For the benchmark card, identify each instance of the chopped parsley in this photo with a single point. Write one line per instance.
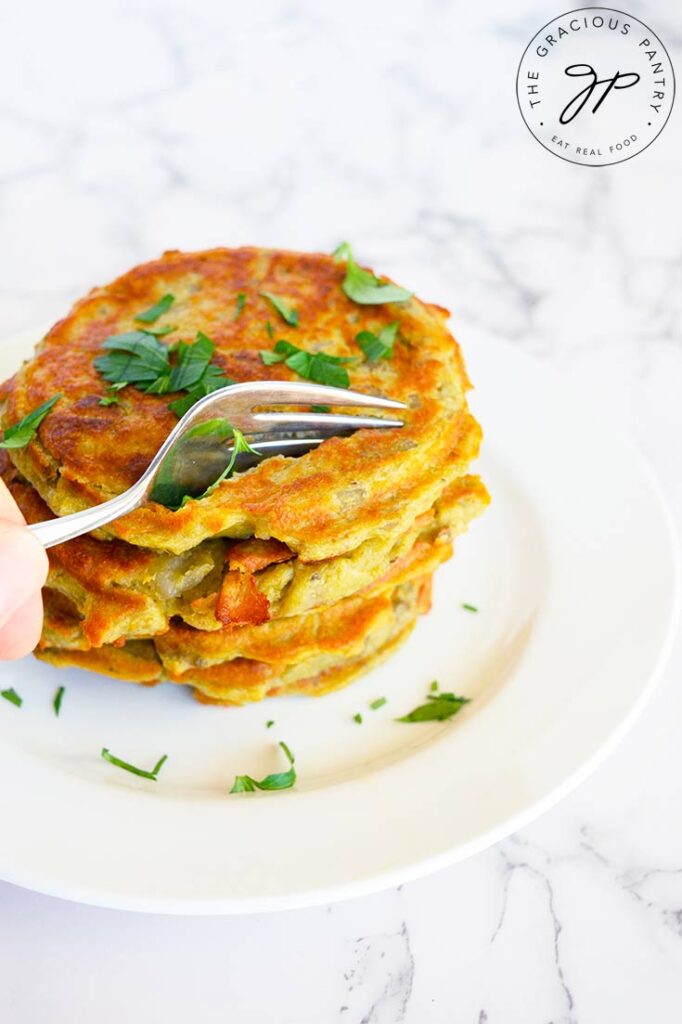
(12, 696)
(160, 332)
(135, 357)
(112, 397)
(240, 444)
(315, 366)
(269, 724)
(378, 703)
(470, 607)
(280, 780)
(23, 432)
(320, 408)
(138, 358)
(378, 346)
(57, 702)
(211, 380)
(357, 718)
(151, 315)
(438, 708)
(241, 302)
(269, 330)
(108, 756)
(434, 686)
(362, 286)
(287, 313)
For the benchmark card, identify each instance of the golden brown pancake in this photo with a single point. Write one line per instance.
(291, 577)
(366, 632)
(120, 590)
(321, 504)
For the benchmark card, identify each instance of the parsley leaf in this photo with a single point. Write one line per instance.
(378, 346)
(212, 379)
(151, 315)
(269, 724)
(315, 366)
(111, 397)
(192, 363)
(12, 696)
(160, 332)
(378, 703)
(57, 702)
(357, 717)
(440, 706)
(470, 607)
(23, 432)
(280, 780)
(362, 286)
(241, 302)
(135, 357)
(240, 444)
(288, 313)
(172, 486)
(108, 756)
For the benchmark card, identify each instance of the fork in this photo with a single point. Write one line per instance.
(200, 457)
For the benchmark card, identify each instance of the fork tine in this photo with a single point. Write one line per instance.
(292, 421)
(289, 392)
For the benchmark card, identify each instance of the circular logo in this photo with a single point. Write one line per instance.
(595, 86)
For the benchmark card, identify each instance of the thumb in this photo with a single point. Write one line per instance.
(23, 568)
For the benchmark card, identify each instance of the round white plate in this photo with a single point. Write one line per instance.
(574, 572)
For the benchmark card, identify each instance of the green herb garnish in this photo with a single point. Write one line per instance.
(240, 444)
(362, 286)
(135, 357)
(12, 696)
(131, 767)
(378, 346)
(434, 686)
(288, 314)
(320, 408)
(378, 703)
(112, 397)
(138, 358)
(280, 780)
(241, 302)
(151, 315)
(315, 366)
(160, 332)
(269, 330)
(211, 380)
(57, 702)
(357, 718)
(23, 432)
(270, 723)
(440, 706)
(470, 607)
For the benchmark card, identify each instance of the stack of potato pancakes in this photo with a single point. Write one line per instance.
(294, 575)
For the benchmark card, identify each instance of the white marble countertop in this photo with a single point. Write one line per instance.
(127, 128)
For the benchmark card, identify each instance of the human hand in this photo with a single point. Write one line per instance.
(23, 571)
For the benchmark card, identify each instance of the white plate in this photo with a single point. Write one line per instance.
(574, 569)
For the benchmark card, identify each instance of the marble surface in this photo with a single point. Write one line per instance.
(127, 128)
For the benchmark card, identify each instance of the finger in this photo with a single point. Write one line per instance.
(9, 510)
(23, 568)
(21, 632)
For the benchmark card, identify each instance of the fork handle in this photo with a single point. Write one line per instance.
(56, 531)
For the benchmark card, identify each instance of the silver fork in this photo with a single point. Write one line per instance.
(195, 464)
